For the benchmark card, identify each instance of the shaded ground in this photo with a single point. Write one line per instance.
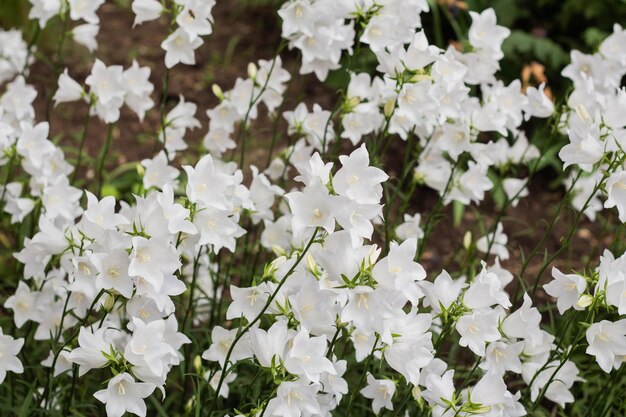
(242, 34)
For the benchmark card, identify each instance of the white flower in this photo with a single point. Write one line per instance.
(247, 302)
(494, 243)
(524, 323)
(443, 292)
(567, 288)
(106, 82)
(9, 348)
(158, 171)
(607, 342)
(215, 381)
(138, 88)
(358, 180)
(478, 328)
(195, 18)
(380, 391)
(398, 271)
(24, 304)
(295, 399)
(123, 395)
(89, 353)
(86, 35)
(43, 10)
(501, 357)
(410, 228)
(69, 90)
(485, 291)
(221, 341)
(270, 345)
(307, 357)
(486, 34)
(146, 10)
(85, 9)
(584, 149)
(539, 105)
(113, 271)
(616, 190)
(152, 259)
(439, 388)
(313, 207)
(180, 47)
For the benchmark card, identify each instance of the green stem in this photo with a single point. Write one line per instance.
(243, 331)
(101, 159)
(83, 139)
(363, 375)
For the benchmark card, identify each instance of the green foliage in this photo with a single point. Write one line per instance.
(525, 47)
(13, 13)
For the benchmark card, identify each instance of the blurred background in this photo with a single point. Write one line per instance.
(542, 30)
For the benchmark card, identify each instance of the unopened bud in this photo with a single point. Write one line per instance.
(141, 170)
(390, 106)
(217, 90)
(189, 404)
(197, 363)
(467, 240)
(418, 177)
(252, 70)
(353, 102)
(416, 392)
(420, 77)
(584, 301)
(310, 264)
(109, 302)
(372, 255)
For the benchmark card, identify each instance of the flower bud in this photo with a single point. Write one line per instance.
(252, 70)
(420, 77)
(584, 301)
(372, 255)
(141, 170)
(353, 102)
(390, 106)
(189, 404)
(109, 302)
(310, 264)
(217, 90)
(467, 240)
(418, 177)
(197, 363)
(416, 392)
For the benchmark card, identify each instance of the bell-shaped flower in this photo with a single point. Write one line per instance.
(566, 288)
(380, 391)
(307, 357)
(607, 342)
(524, 323)
(89, 355)
(616, 190)
(9, 348)
(485, 291)
(313, 207)
(123, 395)
(478, 328)
(295, 399)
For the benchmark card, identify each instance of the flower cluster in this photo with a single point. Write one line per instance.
(297, 286)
